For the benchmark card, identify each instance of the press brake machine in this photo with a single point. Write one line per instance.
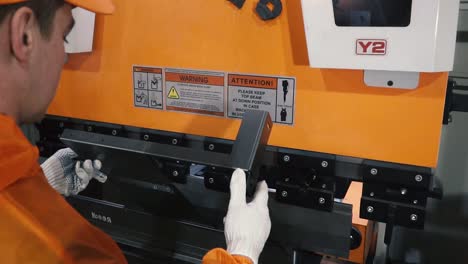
(313, 97)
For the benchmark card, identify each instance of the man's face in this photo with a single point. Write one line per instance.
(47, 60)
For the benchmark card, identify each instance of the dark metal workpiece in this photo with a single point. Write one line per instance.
(249, 148)
(247, 151)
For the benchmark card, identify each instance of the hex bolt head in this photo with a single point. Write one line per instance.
(211, 180)
(286, 158)
(321, 200)
(371, 194)
(403, 191)
(174, 141)
(284, 194)
(374, 171)
(415, 201)
(146, 137)
(324, 164)
(175, 173)
(90, 128)
(414, 218)
(114, 132)
(324, 186)
(370, 209)
(211, 147)
(418, 178)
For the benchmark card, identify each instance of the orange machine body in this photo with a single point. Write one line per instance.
(335, 111)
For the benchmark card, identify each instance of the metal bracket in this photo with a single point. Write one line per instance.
(217, 178)
(306, 181)
(396, 194)
(456, 100)
(177, 170)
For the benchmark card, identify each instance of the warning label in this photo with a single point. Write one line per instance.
(148, 87)
(195, 91)
(273, 94)
(214, 93)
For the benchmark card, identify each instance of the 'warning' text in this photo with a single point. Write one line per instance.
(193, 79)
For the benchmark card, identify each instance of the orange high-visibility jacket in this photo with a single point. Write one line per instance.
(38, 226)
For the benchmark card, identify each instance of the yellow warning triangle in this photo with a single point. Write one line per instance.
(173, 94)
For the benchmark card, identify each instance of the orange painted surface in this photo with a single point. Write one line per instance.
(335, 112)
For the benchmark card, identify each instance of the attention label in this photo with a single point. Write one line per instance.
(148, 87)
(195, 91)
(275, 95)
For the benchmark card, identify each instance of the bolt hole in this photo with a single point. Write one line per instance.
(270, 6)
(390, 83)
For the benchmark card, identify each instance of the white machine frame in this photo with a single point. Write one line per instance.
(426, 45)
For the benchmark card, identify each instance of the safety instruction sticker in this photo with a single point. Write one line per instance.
(148, 87)
(193, 91)
(214, 93)
(268, 93)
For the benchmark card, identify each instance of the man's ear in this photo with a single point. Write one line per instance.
(22, 28)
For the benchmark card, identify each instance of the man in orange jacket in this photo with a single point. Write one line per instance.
(36, 224)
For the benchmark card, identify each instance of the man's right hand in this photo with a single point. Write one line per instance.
(247, 226)
(68, 176)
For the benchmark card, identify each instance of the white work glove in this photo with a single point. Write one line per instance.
(67, 176)
(247, 226)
